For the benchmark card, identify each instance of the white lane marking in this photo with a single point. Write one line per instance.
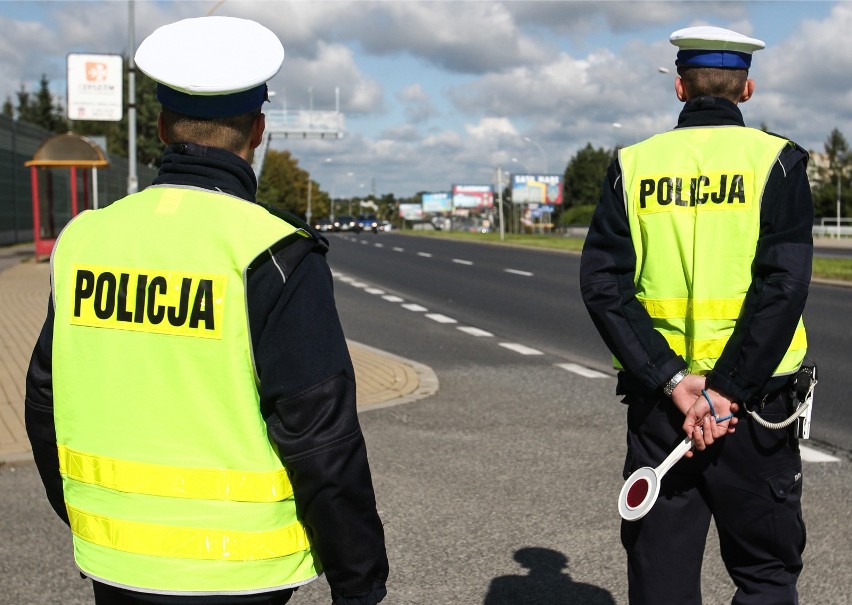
(581, 370)
(365, 242)
(415, 307)
(424, 254)
(398, 249)
(441, 319)
(393, 299)
(374, 291)
(378, 245)
(519, 272)
(811, 455)
(345, 279)
(519, 348)
(462, 262)
(474, 331)
(358, 284)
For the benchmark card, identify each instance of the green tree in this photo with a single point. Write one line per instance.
(834, 178)
(284, 185)
(584, 175)
(40, 109)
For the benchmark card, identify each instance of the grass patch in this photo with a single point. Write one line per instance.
(833, 268)
(517, 239)
(824, 268)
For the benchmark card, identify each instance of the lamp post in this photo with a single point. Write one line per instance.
(308, 212)
(839, 173)
(543, 155)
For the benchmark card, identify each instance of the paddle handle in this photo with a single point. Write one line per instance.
(677, 454)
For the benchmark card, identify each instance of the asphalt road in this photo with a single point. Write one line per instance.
(501, 488)
(534, 296)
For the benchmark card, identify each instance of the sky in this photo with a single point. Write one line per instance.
(444, 92)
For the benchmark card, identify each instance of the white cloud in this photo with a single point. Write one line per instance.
(436, 92)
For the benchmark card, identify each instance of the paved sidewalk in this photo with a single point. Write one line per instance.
(382, 379)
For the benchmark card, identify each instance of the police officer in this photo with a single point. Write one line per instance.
(191, 400)
(695, 272)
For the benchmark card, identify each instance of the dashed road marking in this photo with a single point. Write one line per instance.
(475, 331)
(374, 291)
(415, 307)
(378, 245)
(398, 249)
(519, 348)
(357, 284)
(393, 299)
(460, 261)
(441, 319)
(581, 370)
(519, 272)
(811, 455)
(424, 254)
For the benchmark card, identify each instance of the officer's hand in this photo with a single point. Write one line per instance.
(702, 426)
(687, 391)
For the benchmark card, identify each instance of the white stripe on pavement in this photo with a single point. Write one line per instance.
(811, 455)
(581, 370)
(374, 291)
(415, 307)
(392, 298)
(398, 249)
(426, 254)
(519, 348)
(518, 272)
(441, 319)
(462, 262)
(474, 331)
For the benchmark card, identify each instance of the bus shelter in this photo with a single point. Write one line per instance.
(64, 177)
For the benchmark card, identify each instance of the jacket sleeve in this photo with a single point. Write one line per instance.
(781, 277)
(607, 269)
(307, 392)
(38, 416)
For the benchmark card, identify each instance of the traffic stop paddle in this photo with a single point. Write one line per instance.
(641, 489)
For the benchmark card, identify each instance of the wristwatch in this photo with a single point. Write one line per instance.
(669, 387)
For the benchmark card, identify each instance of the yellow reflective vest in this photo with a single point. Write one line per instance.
(171, 482)
(692, 198)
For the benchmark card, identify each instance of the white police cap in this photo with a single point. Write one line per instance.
(709, 46)
(211, 67)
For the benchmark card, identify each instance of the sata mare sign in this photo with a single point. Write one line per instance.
(94, 87)
(537, 189)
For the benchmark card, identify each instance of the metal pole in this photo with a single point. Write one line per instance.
(541, 149)
(838, 199)
(132, 178)
(500, 198)
(308, 212)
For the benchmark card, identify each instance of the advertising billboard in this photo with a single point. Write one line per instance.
(537, 189)
(411, 212)
(437, 202)
(94, 87)
(473, 196)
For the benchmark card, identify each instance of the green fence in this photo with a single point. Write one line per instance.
(18, 142)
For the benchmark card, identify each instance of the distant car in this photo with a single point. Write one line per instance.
(385, 226)
(323, 225)
(368, 222)
(344, 222)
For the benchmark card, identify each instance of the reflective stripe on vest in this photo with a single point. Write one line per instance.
(171, 481)
(175, 482)
(692, 198)
(187, 542)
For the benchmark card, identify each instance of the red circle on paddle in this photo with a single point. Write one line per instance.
(637, 492)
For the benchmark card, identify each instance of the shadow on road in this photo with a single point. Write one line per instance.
(546, 583)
